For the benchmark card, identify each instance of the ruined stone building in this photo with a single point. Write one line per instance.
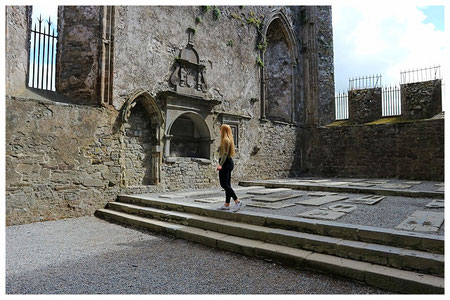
(142, 91)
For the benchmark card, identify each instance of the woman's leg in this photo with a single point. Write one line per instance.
(223, 178)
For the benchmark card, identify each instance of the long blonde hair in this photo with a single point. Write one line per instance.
(226, 140)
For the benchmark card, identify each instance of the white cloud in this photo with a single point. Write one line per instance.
(375, 39)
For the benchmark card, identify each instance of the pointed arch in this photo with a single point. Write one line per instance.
(278, 75)
(141, 123)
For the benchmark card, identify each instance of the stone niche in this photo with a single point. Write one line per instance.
(187, 108)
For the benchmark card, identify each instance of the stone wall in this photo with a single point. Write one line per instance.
(68, 159)
(409, 150)
(60, 160)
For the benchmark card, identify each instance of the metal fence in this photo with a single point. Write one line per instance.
(391, 103)
(341, 106)
(42, 62)
(365, 82)
(421, 74)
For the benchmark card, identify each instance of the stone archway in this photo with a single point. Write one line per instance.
(189, 137)
(140, 139)
(279, 70)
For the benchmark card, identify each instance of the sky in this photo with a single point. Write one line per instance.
(372, 37)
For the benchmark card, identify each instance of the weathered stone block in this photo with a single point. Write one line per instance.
(421, 100)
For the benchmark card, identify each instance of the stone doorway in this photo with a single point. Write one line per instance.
(140, 141)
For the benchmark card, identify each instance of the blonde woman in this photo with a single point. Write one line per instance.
(225, 166)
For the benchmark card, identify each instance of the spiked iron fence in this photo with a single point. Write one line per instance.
(391, 103)
(365, 82)
(421, 74)
(42, 62)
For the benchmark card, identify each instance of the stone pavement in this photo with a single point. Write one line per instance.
(416, 206)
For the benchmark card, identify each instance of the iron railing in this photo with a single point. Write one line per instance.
(341, 106)
(42, 62)
(365, 82)
(421, 74)
(391, 103)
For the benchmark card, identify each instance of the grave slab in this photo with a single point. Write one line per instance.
(321, 200)
(376, 181)
(369, 200)
(436, 204)
(321, 194)
(361, 184)
(277, 198)
(269, 205)
(423, 221)
(396, 186)
(268, 191)
(322, 214)
(413, 182)
(441, 189)
(335, 183)
(345, 208)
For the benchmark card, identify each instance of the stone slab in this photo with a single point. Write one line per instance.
(269, 191)
(396, 186)
(335, 183)
(369, 200)
(346, 208)
(185, 194)
(247, 188)
(436, 204)
(322, 200)
(441, 189)
(277, 198)
(269, 205)
(361, 184)
(210, 200)
(322, 214)
(439, 184)
(376, 181)
(321, 194)
(412, 182)
(355, 180)
(423, 221)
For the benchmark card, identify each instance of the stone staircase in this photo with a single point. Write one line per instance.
(397, 261)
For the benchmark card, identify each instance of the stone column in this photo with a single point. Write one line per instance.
(421, 100)
(364, 105)
(79, 53)
(310, 60)
(18, 22)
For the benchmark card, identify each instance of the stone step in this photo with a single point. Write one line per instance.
(383, 236)
(345, 189)
(399, 281)
(379, 254)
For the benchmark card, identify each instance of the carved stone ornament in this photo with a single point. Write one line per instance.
(189, 75)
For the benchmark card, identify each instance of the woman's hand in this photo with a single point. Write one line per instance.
(219, 167)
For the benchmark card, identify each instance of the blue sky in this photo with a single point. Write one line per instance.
(370, 38)
(435, 16)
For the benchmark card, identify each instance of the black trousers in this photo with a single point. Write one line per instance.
(225, 179)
